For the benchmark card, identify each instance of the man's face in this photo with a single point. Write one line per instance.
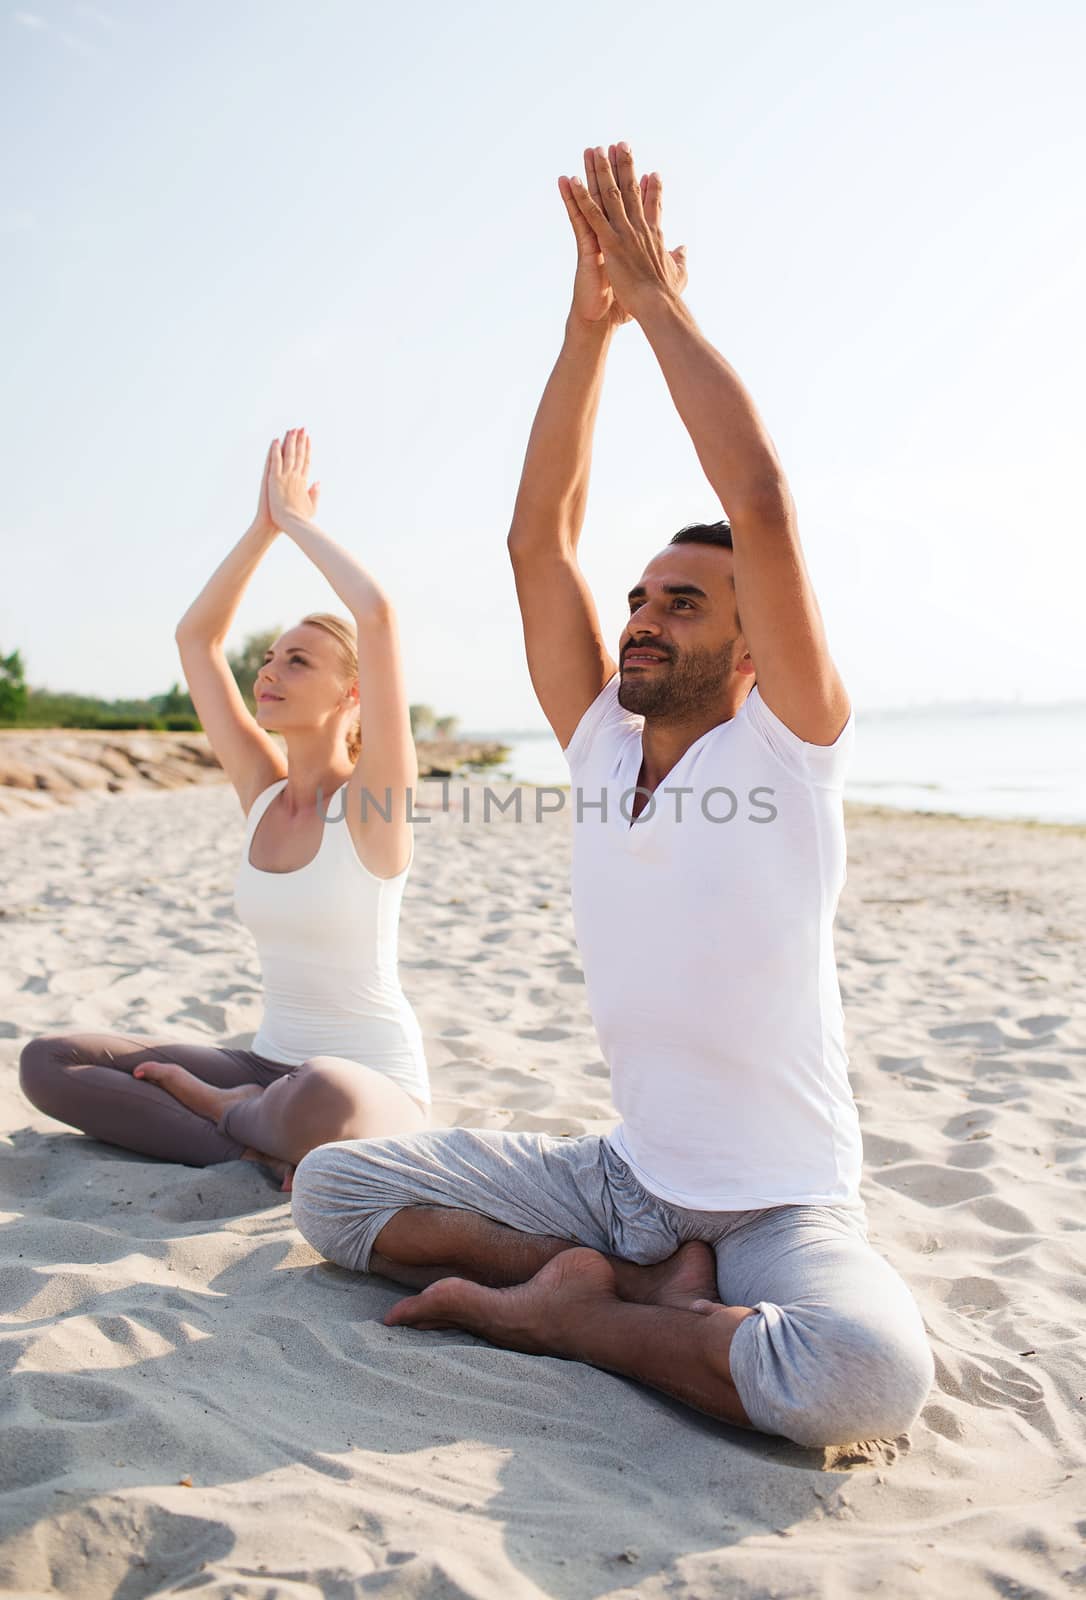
(683, 640)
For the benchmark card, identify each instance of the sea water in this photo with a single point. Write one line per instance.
(981, 761)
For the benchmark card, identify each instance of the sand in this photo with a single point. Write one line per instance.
(197, 1404)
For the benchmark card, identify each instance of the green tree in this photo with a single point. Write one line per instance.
(445, 727)
(422, 720)
(12, 687)
(175, 703)
(246, 662)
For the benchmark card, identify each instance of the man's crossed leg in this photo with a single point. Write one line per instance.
(784, 1319)
(548, 1296)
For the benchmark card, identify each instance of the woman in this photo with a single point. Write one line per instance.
(339, 1053)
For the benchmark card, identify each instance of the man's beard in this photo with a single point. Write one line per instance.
(682, 686)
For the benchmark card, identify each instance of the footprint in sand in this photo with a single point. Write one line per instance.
(1007, 1218)
(967, 1124)
(1043, 1023)
(975, 1294)
(988, 1381)
(66, 1398)
(881, 1151)
(30, 1455)
(1047, 1069)
(196, 1010)
(900, 1064)
(934, 1186)
(985, 1035)
(944, 1422)
(460, 1049)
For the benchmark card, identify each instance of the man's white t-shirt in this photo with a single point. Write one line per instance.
(705, 927)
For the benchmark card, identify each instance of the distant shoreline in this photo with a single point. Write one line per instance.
(41, 768)
(16, 803)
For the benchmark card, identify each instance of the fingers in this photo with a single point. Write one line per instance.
(591, 178)
(592, 213)
(586, 239)
(610, 196)
(623, 164)
(653, 193)
(295, 451)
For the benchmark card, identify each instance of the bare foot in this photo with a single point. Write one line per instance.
(687, 1279)
(281, 1169)
(201, 1097)
(550, 1315)
(212, 1103)
(520, 1317)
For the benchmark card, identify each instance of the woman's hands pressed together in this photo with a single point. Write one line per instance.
(263, 522)
(286, 475)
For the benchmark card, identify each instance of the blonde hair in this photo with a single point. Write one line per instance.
(346, 637)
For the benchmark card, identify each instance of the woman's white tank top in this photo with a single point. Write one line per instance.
(326, 935)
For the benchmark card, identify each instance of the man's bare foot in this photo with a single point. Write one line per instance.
(687, 1279)
(201, 1097)
(572, 1309)
(524, 1317)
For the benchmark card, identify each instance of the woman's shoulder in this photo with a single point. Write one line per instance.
(258, 797)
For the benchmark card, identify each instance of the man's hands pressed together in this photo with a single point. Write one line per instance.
(621, 255)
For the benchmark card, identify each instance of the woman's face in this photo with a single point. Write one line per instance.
(301, 683)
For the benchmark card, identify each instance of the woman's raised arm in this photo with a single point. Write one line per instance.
(387, 765)
(249, 756)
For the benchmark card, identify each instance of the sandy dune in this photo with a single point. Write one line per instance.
(163, 1323)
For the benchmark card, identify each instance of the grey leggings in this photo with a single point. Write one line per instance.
(85, 1080)
(836, 1351)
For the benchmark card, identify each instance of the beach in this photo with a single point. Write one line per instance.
(196, 1402)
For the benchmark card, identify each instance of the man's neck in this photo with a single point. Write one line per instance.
(665, 740)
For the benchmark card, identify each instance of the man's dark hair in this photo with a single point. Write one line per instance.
(705, 533)
(718, 533)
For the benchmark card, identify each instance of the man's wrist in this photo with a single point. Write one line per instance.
(658, 306)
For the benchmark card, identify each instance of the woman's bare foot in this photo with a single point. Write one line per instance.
(201, 1097)
(212, 1103)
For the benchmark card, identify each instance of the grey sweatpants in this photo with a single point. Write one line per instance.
(836, 1351)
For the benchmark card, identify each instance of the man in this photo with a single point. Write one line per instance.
(713, 1245)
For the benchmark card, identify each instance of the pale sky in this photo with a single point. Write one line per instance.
(220, 220)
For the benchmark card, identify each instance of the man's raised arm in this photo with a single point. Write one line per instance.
(778, 611)
(567, 658)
